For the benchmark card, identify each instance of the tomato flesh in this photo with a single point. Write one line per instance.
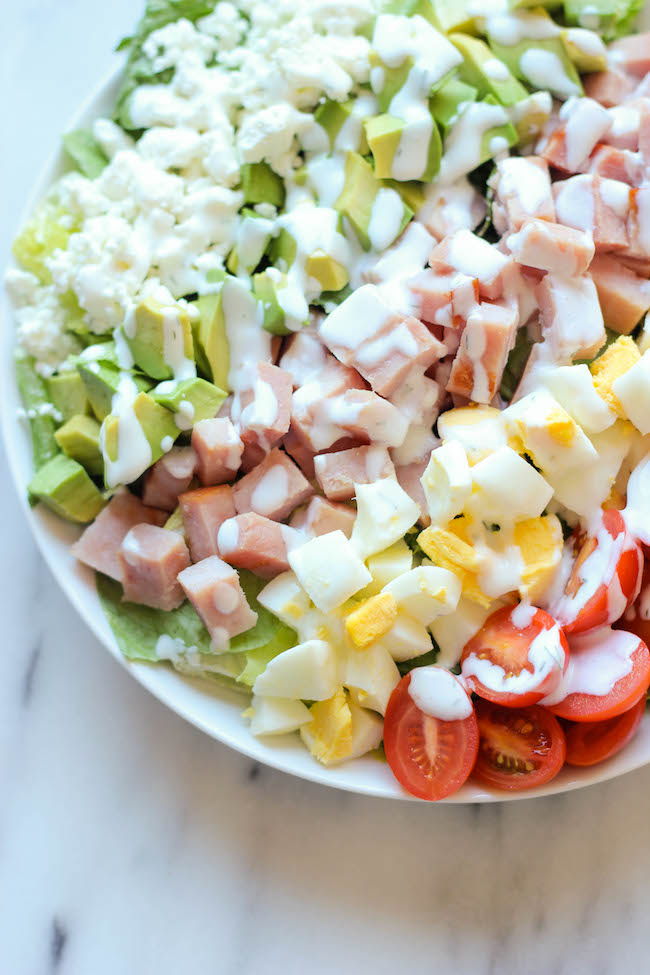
(637, 617)
(592, 742)
(431, 758)
(519, 748)
(496, 662)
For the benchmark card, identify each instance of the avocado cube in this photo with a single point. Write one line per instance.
(541, 61)
(358, 198)
(330, 274)
(479, 134)
(385, 81)
(190, 400)
(446, 15)
(586, 49)
(68, 394)
(486, 73)
(531, 115)
(285, 307)
(158, 426)
(394, 143)
(160, 340)
(79, 438)
(213, 351)
(446, 101)
(283, 250)
(64, 486)
(101, 381)
(260, 184)
(411, 191)
(253, 237)
(600, 15)
(332, 116)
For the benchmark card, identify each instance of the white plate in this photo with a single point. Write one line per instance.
(217, 711)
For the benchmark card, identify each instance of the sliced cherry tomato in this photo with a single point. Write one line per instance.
(519, 748)
(594, 741)
(511, 662)
(637, 616)
(599, 682)
(429, 757)
(602, 579)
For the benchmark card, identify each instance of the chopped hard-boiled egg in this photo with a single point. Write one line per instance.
(447, 482)
(340, 730)
(451, 548)
(286, 599)
(407, 638)
(369, 621)
(478, 428)
(506, 489)
(632, 391)
(540, 542)
(538, 426)
(329, 569)
(452, 632)
(613, 363)
(277, 715)
(426, 592)
(385, 512)
(387, 565)
(586, 489)
(307, 672)
(573, 388)
(371, 676)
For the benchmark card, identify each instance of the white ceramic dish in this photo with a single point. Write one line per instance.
(214, 710)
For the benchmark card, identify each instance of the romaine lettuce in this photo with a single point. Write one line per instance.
(33, 393)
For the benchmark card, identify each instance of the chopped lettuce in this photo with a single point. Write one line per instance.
(39, 410)
(40, 236)
(268, 629)
(85, 152)
(516, 364)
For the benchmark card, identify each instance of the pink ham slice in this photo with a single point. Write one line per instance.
(321, 517)
(465, 252)
(444, 297)
(552, 247)
(631, 54)
(408, 477)
(522, 190)
(254, 542)
(169, 477)
(265, 412)
(304, 357)
(624, 296)
(609, 87)
(273, 488)
(572, 322)
(644, 135)
(338, 472)
(100, 542)
(598, 206)
(639, 223)
(584, 123)
(487, 339)
(213, 588)
(203, 512)
(218, 450)
(617, 164)
(151, 558)
(386, 361)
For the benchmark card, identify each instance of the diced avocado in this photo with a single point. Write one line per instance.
(160, 338)
(541, 61)
(34, 396)
(388, 136)
(531, 115)
(485, 72)
(385, 81)
(253, 237)
(522, 4)
(283, 250)
(157, 423)
(482, 131)
(411, 191)
(85, 152)
(260, 184)
(358, 198)
(101, 380)
(79, 438)
(332, 116)
(283, 313)
(585, 48)
(446, 101)
(330, 274)
(611, 18)
(445, 15)
(213, 352)
(65, 487)
(68, 394)
(190, 400)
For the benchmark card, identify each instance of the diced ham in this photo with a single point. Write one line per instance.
(151, 558)
(203, 512)
(100, 542)
(273, 488)
(522, 189)
(254, 542)
(444, 297)
(218, 450)
(264, 412)
(213, 588)
(363, 415)
(572, 322)
(631, 54)
(408, 478)
(387, 361)
(624, 296)
(487, 339)
(584, 123)
(598, 206)
(321, 517)
(624, 133)
(337, 473)
(617, 164)
(639, 223)
(299, 452)
(169, 477)
(552, 247)
(458, 206)
(644, 134)
(304, 356)
(609, 87)
(465, 252)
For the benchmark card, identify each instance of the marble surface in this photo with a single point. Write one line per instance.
(131, 844)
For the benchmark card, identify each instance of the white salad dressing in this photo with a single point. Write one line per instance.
(228, 536)
(134, 453)
(545, 654)
(385, 218)
(597, 662)
(439, 694)
(271, 491)
(544, 69)
(464, 144)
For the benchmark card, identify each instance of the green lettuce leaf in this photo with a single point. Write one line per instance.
(85, 152)
(515, 365)
(33, 393)
(39, 237)
(268, 628)
(624, 21)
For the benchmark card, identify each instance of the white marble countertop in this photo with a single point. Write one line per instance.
(131, 844)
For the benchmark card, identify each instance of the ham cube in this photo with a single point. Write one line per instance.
(618, 164)
(639, 223)
(487, 339)
(631, 54)
(386, 361)
(444, 297)
(264, 412)
(363, 415)
(475, 257)
(254, 542)
(609, 87)
(596, 205)
(552, 247)
(321, 517)
(624, 296)
(273, 488)
(218, 450)
(304, 356)
(151, 558)
(409, 478)
(572, 322)
(99, 545)
(522, 190)
(584, 123)
(299, 451)
(337, 473)
(457, 206)
(169, 477)
(203, 512)
(213, 588)
(626, 121)
(644, 134)
(307, 403)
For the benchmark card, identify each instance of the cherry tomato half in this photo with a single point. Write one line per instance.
(608, 673)
(637, 616)
(594, 741)
(605, 576)
(519, 748)
(429, 757)
(498, 664)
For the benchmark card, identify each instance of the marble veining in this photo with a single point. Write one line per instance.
(130, 844)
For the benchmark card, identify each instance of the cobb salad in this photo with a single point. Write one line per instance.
(334, 338)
